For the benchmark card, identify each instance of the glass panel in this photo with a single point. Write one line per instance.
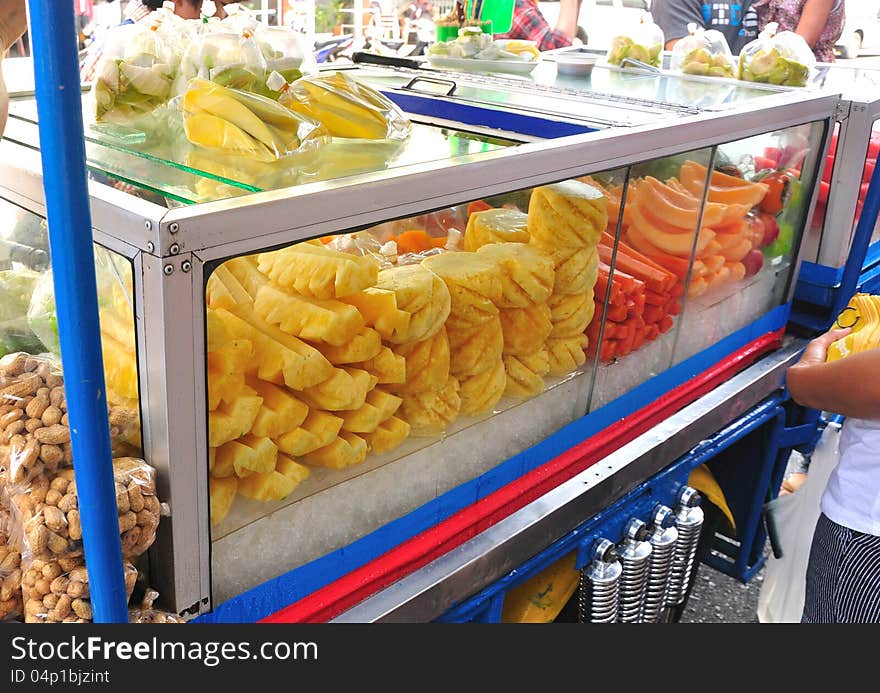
(29, 320)
(682, 90)
(164, 163)
(349, 354)
(651, 268)
(754, 242)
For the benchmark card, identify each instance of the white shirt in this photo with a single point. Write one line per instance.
(852, 496)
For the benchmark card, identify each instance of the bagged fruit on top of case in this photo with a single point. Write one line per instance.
(136, 72)
(642, 41)
(703, 52)
(784, 59)
(346, 107)
(238, 123)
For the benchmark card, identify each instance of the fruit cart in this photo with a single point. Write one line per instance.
(442, 431)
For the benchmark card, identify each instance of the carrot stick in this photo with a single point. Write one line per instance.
(666, 324)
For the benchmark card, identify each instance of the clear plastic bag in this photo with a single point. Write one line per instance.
(46, 511)
(346, 107)
(145, 613)
(57, 590)
(781, 599)
(42, 318)
(703, 52)
(231, 122)
(783, 59)
(10, 570)
(135, 74)
(16, 288)
(643, 42)
(284, 53)
(230, 59)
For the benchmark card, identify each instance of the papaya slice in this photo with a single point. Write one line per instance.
(713, 247)
(732, 214)
(647, 221)
(722, 187)
(677, 265)
(734, 249)
(671, 201)
(679, 244)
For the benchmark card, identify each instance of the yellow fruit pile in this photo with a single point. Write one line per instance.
(565, 221)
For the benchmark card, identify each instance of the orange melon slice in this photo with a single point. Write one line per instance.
(722, 187)
(734, 249)
(644, 219)
(737, 270)
(670, 200)
(679, 244)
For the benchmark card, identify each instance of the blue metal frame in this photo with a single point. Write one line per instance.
(76, 298)
(272, 595)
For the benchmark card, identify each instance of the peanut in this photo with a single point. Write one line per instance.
(127, 521)
(54, 518)
(53, 496)
(56, 397)
(53, 434)
(36, 407)
(51, 416)
(74, 526)
(135, 497)
(62, 608)
(68, 502)
(82, 608)
(57, 543)
(32, 425)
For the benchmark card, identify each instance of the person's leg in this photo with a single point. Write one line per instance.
(857, 599)
(825, 571)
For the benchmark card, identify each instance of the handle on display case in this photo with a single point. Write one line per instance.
(62, 152)
(434, 80)
(389, 60)
(639, 64)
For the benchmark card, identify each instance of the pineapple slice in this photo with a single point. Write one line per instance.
(522, 382)
(420, 293)
(474, 284)
(527, 274)
(233, 357)
(566, 354)
(431, 411)
(570, 313)
(361, 347)
(538, 362)
(499, 225)
(233, 420)
(427, 364)
(480, 392)
(277, 484)
(217, 333)
(390, 433)
(473, 350)
(319, 272)
(281, 411)
(212, 458)
(346, 451)
(525, 329)
(120, 328)
(222, 493)
(319, 429)
(577, 273)
(249, 453)
(387, 366)
(224, 387)
(379, 309)
(379, 407)
(347, 388)
(278, 357)
(324, 320)
(570, 214)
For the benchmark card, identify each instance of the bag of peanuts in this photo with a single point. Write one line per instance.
(10, 572)
(46, 511)
(145, 613)
(57, 590)
(34, 430)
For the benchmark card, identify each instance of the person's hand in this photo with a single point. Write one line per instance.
(817, 350)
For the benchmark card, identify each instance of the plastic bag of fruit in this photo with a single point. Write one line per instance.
(346, 108)
(145, 613)
(135, 73)
(233, 122)
(783, 58)
(10, 569)
(703, 52)
(642, 42)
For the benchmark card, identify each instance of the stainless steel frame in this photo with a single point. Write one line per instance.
(173, 252)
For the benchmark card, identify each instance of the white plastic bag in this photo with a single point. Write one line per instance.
(781, 599)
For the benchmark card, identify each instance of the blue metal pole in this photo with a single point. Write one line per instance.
(59, 107)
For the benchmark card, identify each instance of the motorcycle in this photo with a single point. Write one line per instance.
(332, 49)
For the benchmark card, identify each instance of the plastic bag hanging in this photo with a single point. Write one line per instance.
(643, 42)
(784, 59)
(703, 52)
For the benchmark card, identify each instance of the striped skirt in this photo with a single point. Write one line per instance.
(843, 576)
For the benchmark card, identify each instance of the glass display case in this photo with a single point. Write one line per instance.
(329, 365)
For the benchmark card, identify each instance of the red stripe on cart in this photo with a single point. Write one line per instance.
(341, 594)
